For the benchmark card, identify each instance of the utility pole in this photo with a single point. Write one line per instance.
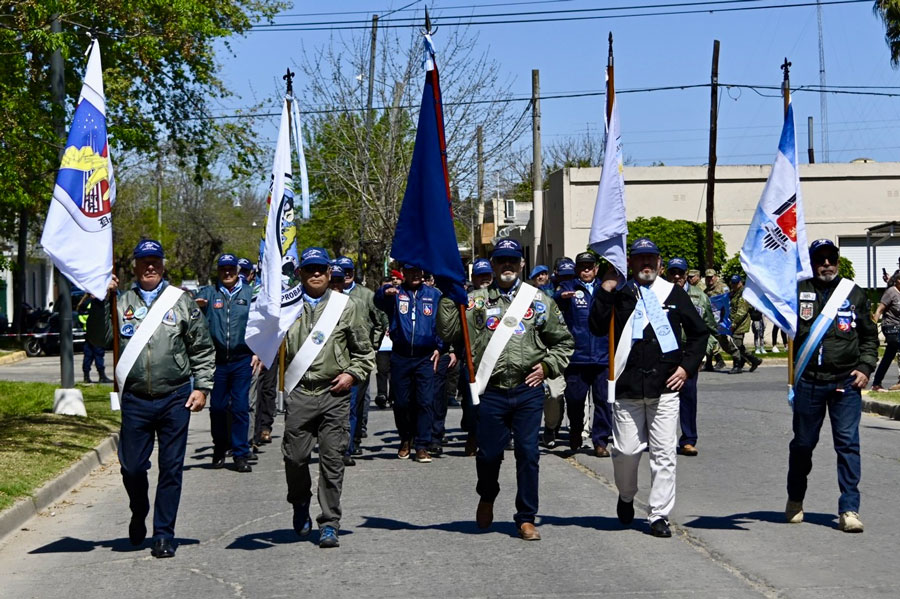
(711, 169)
(480, 185)
(823, 97)
(537, 179)
(809, 133)
(360, 268)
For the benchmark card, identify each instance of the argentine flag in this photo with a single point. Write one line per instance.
(774, 255)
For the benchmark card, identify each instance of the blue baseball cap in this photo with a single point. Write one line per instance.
(336, 271)
(818, 244)
(245, 264)
(735, 279)
(679, 263)
(538, 270)
(345, 263)
(148, 247)
(507, 248)
(227, 260)
(643, 246)
(314, 255)
(565, 267)
(482, 266)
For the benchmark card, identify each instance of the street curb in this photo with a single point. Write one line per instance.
(882, 408)
(20, 512)
(13, 357)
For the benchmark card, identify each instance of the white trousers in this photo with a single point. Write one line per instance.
(637, 424)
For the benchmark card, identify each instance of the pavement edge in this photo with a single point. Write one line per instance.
(882, 408)
(12, 358)
(23, 510)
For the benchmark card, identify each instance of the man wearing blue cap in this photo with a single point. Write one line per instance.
(540, 278)
(518, 338)
(588, 366)
(837, 348)
(227, 308)
(327, 350)
(660, 342)
(245, 270)
(555, 388)
(676, 270)
(740, 326)
(164, 343)
(412, 311)
(482, 274)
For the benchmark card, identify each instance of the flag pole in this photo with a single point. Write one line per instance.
(610, 99)
(436, 94)
(282, 349)
(786, 92)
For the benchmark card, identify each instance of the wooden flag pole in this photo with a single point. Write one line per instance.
(786, 92)
(610, 99)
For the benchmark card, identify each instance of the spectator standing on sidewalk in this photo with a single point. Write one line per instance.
(889, 309)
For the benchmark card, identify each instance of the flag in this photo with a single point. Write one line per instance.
(280, 297)
(425, 235)
(78, 231)
(609, 228)
(774, 255)
(301, 159)
(721, 309)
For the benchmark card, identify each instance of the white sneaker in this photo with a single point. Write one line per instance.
(793, 512)
(775, 349)
(850, 522)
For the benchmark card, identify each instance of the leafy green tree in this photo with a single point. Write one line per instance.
(733, 267)
(889, 11)
(678, 238)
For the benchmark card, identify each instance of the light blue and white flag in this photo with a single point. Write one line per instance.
(774, 255)
(609, 228)
(280, 297)
(301, 159)
(78, 232)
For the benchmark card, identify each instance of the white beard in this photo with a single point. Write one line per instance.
(508, 277)
(645, 277)
(826, 278)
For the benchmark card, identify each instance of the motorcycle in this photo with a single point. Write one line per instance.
(44, 339)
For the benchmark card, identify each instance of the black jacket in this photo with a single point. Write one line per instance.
(850, 342)
(648, 368)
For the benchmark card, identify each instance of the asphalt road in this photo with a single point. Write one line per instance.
(45, 369)
(408, 528)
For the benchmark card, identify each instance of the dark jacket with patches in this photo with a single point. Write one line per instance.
(413, 318)
(648, 368)
(589, 348)
(227, 317)
(850, 342)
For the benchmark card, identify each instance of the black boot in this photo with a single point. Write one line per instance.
(103, 378)
(720, 363)
(754, 362)
(87, 378)
(738, 367)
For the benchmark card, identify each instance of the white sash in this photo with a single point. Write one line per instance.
(508, 323)
(315, 341)
(164, 303)
(661, 289)
(820, 326)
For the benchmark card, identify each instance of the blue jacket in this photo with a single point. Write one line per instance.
(589, 349)
(413, 319)
(227, 318)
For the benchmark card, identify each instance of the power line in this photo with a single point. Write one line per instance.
(406, 9)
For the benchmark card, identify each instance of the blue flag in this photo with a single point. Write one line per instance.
(425, 235)
(721, 309)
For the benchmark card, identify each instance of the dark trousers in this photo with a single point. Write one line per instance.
(309, 418)
(359, 411)
(266, 387)
(93, 355)
(469, 422)
(382, 372)
(580, 378)
(438, 426)
(844, 406)
(890, 351)
(503, 412)
(230, 397)
(687, 412)
(412, 384)
(143, 422)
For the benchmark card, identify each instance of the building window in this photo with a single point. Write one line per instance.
(510, 210)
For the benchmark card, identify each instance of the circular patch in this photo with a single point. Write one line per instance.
(127, 330)
(529, 314)
(140, 312)
(492, 323)
(579, 294)
(845, 305)
(540, 307)
(318, 337)
(665, 330)
(479, 303)
(510, 321)
(471, 304)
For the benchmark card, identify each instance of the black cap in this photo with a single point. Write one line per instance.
(587, 257)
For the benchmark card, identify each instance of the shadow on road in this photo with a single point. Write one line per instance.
(271, 538)
(734, 521)
(469, 526)
(123, 545)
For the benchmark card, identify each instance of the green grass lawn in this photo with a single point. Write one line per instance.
(888, 396)
(35, 444)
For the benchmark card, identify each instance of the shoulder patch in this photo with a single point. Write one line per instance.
(195, 313)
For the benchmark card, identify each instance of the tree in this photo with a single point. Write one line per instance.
(889, 11)
(733, 267)
(678, 238)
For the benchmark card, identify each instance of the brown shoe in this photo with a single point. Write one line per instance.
(688, 449)
(894, 387)
(484, 514)
(601, 452)
(471, 446)
(527, 532)
(422, 456)
(403, 453)
(265, 437)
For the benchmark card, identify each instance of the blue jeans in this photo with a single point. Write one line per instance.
(580, 378)
(844, 405)
(501, 412)
(143, 421)
(412, 384)
(687, 412)
(231, 393)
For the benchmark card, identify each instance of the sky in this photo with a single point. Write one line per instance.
(670, 127)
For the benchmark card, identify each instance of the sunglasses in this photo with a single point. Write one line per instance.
(315, 269)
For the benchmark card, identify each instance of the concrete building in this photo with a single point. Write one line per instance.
(841, 201)
(39, 287)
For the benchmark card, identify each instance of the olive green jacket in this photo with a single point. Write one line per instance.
(704, 308)
(740, 313)
(348, 348)
(375, 319)
(179, 348)
(544, 338)
(718, 288)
